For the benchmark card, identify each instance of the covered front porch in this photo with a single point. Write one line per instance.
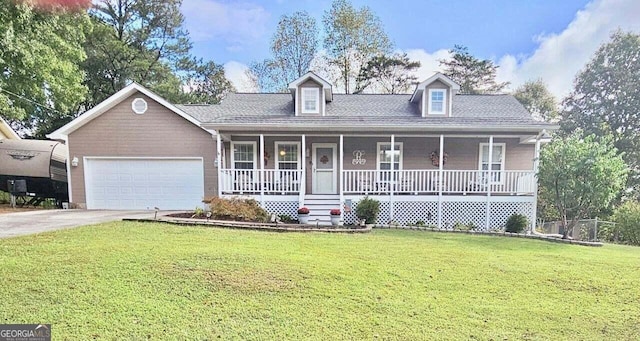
(287, 171)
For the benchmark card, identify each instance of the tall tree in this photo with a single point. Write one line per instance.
(474, 76)
(40, 49)
(387, 74)
(352, 37)
(143, 41)
(606, 98)
(294, 45)
(205, 83)
(537, 99)
(581, 176)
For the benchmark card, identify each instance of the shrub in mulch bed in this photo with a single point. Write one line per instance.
(234, 209)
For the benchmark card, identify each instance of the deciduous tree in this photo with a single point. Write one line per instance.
(294, 45)
(352, 37)
(606, 99)
(40, 50)
(537, 99)
(581, 176)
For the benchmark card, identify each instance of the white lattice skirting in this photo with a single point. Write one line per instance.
(407, 210)
(455, 209)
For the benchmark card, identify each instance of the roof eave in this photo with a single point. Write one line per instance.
(391, 128)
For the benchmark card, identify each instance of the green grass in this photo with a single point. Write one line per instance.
(136, 281)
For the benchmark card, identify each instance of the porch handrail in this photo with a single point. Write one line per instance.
(250, 181)
(430, 181)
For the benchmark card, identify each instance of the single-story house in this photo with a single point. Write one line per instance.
(6, 132)
(434, 156)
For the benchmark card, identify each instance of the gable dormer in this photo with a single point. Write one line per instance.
(435, 95)
(310, 94)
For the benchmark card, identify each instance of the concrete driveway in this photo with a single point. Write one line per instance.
(23, 223)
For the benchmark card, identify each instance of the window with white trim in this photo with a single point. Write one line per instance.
(243, 155)
(310, 100)
(437, 101)
(497, 160)
(388, 160)
(288, 155)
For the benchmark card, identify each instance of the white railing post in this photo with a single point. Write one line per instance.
(303, 177)
(490, 180)
(393, 179)
(261, 161)
(341, 177)
(219, 161)
(440, 180)
(536, 165)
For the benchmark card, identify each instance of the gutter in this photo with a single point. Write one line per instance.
(391, 128)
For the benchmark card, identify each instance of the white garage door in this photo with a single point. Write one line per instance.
(140, 184)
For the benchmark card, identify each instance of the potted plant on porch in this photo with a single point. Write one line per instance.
(335, 216)
(303, 215)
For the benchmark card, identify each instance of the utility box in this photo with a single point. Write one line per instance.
(17, 187)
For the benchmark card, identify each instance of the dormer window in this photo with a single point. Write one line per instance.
(310, 100)
(437, 101)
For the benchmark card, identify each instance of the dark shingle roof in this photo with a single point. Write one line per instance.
(365, 110)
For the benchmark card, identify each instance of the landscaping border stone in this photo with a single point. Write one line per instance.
(503, 234)
(273, 227)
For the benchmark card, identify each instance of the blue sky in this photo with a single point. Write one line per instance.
(528, 39)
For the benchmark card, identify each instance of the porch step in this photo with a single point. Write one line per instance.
(319, 206)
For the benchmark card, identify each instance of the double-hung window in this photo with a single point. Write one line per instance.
(389, 160)
(243, 155)
(437, 101)
(496, 165)
(288, 155)
(310, 100)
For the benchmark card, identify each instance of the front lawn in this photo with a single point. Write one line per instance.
(137, 280)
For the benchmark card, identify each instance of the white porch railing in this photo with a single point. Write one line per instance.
(430, 182)
(275, 181)
(249, 181)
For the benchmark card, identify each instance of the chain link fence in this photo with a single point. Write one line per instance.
(590, 230)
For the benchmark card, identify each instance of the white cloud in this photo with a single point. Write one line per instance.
(238, 24)
(559, 57)
(429, 62)
(236, 74)
(556, 60)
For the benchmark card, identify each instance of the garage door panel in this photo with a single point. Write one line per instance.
(172, 184)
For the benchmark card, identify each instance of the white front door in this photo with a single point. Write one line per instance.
(325, 168)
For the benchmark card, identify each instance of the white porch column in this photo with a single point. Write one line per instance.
(219, 161)
(261, 161)
(440, 179)
(341, 177)
(536, 165)
(393, 179)
(303, 177)
(489, 181)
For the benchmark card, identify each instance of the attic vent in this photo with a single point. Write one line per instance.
(139, 106)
